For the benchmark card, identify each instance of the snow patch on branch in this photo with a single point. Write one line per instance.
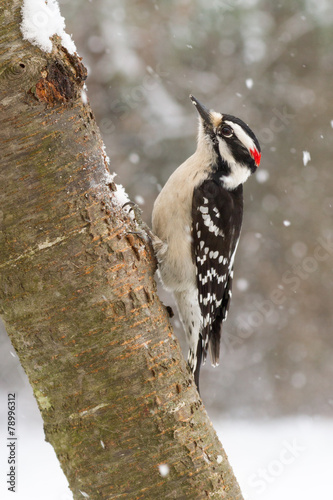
(47, 243)
(84, 494)
(120, 196)
(41, 19)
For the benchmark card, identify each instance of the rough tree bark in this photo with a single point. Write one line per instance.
(79, 301)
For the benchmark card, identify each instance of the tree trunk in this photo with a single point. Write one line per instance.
(79, 301)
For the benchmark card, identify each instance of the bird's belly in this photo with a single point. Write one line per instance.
(177, 270)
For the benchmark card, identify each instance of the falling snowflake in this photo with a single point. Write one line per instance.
(249, 83)
(306, 158)
(139, 199)
(262, 176)
(164, 469)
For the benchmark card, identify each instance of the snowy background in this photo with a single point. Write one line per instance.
(271, 64)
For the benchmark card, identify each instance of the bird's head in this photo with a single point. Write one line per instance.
(228, 143)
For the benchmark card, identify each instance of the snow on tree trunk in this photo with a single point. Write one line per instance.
(78, 296)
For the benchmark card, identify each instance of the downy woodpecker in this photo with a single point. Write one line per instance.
(197, 220)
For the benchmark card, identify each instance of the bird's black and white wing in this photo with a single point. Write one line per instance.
(214, 242)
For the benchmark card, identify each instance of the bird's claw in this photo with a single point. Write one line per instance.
(144, 228)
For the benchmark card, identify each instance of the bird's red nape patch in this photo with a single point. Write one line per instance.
(256, 155)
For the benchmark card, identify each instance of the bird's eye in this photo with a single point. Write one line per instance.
(227, 131)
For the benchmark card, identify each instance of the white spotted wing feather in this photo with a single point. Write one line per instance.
(217, 217)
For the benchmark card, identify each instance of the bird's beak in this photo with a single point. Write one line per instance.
(202, 110)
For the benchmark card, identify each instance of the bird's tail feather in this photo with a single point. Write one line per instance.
(198, 365)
